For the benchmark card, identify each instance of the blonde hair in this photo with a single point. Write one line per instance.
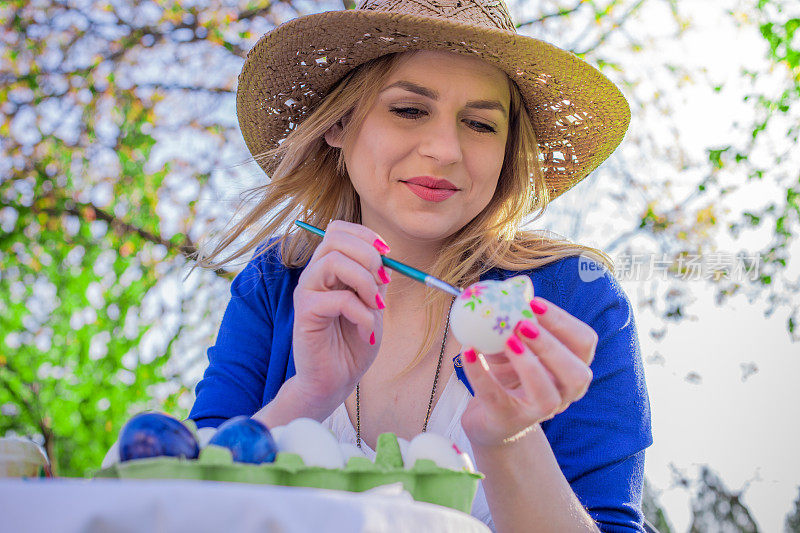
(309, 182)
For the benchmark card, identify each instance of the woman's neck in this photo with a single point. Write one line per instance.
(418, 254)
(405, 295)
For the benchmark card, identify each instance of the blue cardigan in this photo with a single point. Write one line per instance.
(599, 441)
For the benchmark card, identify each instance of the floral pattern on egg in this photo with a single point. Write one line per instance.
(485, 314)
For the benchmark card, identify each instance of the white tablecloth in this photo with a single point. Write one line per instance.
(105, 505)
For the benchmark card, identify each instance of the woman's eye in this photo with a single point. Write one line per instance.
(408, 112)
(480, 126)
(415, 113)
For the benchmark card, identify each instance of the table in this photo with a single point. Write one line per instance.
(110, 505)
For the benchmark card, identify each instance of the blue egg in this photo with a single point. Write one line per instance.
(248, 440)
(156, 435)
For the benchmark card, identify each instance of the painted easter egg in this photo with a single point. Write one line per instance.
(249, 440)
(156, 435)
(485, 314)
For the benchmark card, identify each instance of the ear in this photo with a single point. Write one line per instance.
(334, 136)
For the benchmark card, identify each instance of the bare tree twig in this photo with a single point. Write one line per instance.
(35, 410)
(79, 209)
(614, 27)
(176, 87)
(559, 13)
(118, 225)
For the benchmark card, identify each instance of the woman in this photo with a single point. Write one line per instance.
(433, 131)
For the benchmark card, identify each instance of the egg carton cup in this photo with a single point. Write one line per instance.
(425, 481)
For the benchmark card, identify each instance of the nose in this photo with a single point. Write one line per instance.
(440, 141)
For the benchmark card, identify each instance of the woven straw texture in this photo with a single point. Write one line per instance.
(579, 116)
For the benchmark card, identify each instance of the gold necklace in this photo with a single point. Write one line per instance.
(433, 389)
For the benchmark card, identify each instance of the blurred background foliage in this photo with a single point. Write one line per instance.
(118, 144)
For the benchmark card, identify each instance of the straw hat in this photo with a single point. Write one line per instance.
(579, 116)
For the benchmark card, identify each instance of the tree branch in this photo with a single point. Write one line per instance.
(560, 13)
(176, 87)
(614, 27)
(255, 12)
(78, 209)
(35, 412)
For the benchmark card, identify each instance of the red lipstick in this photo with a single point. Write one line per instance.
(430, 188)
(432, 183)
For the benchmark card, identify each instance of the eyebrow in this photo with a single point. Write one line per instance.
(433, 95)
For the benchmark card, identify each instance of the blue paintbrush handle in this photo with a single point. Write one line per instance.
(406, 270)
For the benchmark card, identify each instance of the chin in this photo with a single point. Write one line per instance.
(429, 228)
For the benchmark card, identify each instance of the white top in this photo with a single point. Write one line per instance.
(445, 420)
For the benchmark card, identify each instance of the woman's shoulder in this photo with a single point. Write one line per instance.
(265, 272)
(577, 284)
(267, 253)
(266, 258)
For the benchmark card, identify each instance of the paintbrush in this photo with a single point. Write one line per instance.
(406, 270)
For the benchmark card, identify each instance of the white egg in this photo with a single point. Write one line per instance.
(312, 441)
(436, 448)
(350, 450)
(276, 432)
(403, 443)
(112, 456)
(204, 435)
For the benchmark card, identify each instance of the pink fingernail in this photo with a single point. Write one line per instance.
(383, 275)
(529, 329)
(379, 301)
(381, 246)
(515, 344)
(538, 307)
(470, 356)
(372, 338)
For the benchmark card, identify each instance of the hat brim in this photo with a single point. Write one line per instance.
(579, 116)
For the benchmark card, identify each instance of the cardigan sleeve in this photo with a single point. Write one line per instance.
(233, 383)
(599, 441)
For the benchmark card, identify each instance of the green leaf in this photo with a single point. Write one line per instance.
(715, 156)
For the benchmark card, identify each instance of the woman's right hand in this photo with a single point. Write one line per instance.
(338, 319)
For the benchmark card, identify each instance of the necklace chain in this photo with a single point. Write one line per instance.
(433, 389)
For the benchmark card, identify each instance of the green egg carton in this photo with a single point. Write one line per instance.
(425, 481)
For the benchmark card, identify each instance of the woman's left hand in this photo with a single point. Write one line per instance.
(543, 369)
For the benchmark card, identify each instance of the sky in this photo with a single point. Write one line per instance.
(744, 428)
